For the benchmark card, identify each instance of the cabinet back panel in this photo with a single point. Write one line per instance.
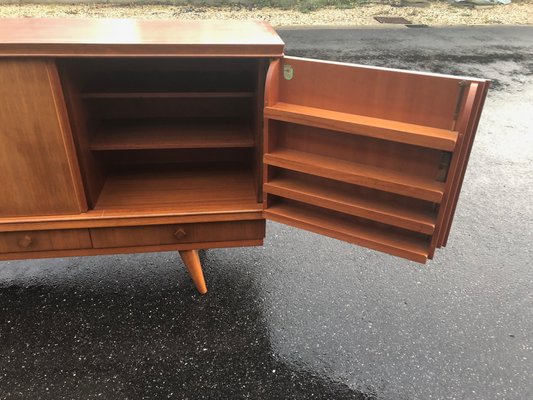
(145, 158)
(37, 172)
(141, 108)
(166, 75)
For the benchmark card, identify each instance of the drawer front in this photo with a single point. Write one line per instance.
(66, 239)
(177, 233)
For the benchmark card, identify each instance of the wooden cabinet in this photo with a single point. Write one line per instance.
(131, 136)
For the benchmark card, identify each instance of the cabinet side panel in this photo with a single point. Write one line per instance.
(63, 118)
(93, 170)
(470, 132)
(36, 177)
(262, 66)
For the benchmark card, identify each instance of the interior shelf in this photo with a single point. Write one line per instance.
(172, 134)
(163, 95)
(396, 242)
(377, 209)
(360, 174)
(440, 139)
(187, 189)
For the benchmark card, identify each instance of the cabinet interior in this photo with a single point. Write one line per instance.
(176, 133)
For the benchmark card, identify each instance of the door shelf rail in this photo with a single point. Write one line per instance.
(375, 209)
(424, 136)
(165, 95)
(400, 243)
(359, 174)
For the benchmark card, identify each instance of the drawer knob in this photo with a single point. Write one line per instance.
(180, 233)
(25, 241)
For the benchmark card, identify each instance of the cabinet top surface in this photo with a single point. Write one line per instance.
(128, 37)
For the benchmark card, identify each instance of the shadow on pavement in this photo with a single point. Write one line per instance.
(111, 334)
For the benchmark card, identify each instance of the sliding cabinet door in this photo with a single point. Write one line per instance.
(39, 173)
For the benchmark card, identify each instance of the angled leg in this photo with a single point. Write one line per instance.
(192, 262)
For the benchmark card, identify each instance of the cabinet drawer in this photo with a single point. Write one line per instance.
(66, 239)
(177, 233)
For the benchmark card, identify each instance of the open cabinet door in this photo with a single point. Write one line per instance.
(371, 156)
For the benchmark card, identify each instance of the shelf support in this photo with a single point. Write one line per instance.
(192, 262)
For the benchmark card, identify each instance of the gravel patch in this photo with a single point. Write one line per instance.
(434, 14)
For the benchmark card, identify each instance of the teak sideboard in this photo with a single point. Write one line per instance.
(122, 136)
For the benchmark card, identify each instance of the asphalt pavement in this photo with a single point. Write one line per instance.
(305, 316)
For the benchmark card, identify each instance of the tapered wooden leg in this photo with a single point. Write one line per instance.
(192, 262)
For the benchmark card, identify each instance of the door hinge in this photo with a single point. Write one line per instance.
(444, 164)
(462, 89)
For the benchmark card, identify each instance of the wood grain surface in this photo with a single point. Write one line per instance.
(26, 241)
(168, 234)
(128, 37)
(37, 162)
(347, 146)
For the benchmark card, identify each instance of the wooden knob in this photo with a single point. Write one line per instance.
(180, 233)
(25, 241)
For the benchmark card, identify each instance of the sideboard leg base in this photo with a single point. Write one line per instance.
(192, 262)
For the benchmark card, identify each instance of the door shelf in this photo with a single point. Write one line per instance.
(382, 238)
(165, 95)
(359, 174)
(376, 209)
(440, 139)
(172, 134)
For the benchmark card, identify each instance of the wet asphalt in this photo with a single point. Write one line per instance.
(307, 316)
